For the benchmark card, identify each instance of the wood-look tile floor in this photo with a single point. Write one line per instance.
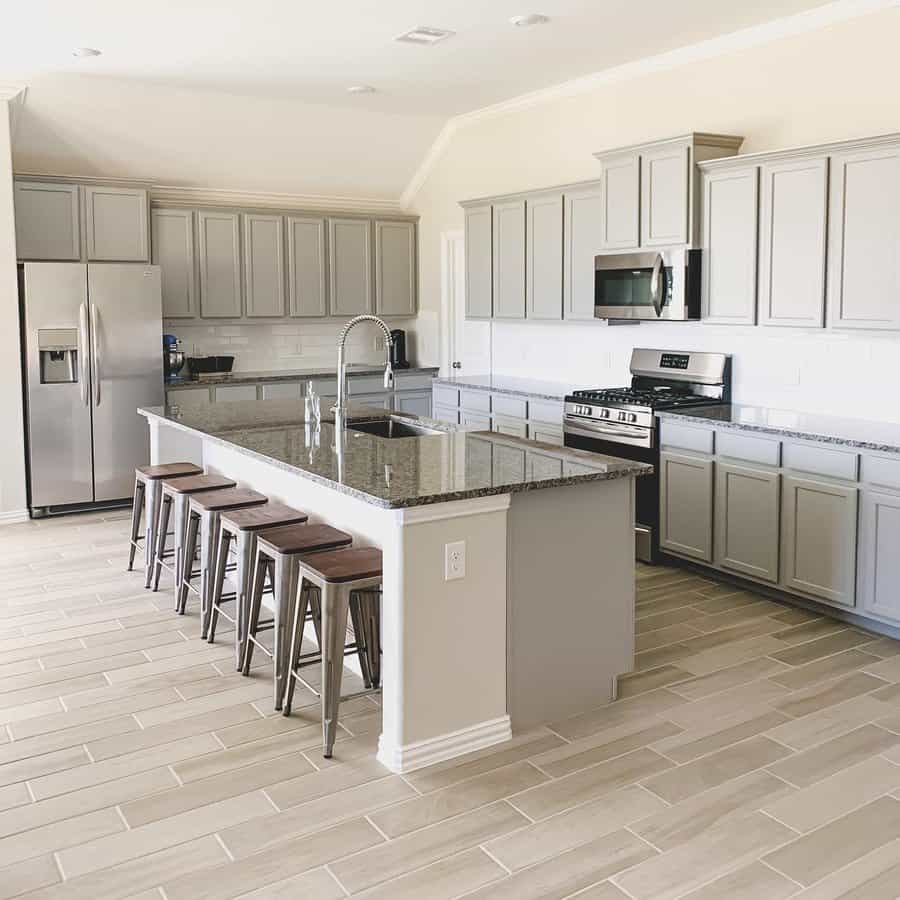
(754, 753)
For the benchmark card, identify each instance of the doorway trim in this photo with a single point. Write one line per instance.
(452, 293)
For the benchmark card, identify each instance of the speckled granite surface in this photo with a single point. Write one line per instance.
(288, 375)
(860, 433)
(510, 384)
(454, 464)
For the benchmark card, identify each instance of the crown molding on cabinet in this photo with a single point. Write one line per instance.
(724, 141)
(754, 36)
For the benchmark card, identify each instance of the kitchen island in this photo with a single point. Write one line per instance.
(541, 621)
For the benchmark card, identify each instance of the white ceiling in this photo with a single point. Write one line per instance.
(310, 52)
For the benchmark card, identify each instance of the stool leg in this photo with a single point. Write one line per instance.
(371, 606)
(335, 606)
(209, 534)
(181, 518)
(217, 582)
(190, 548)
(286, 600)
(299, 618)
(260, 565)
(245, 544)
(315, 613)
(136, 509)
(152, 493)
(162, 529)
(360, 637)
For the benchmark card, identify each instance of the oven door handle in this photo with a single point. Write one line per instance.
(575, 426)
(657, 284)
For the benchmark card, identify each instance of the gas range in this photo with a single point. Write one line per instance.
(632, 405)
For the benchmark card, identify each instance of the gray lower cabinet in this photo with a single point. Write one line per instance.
(548, 434)
(172, 233)
(189, 398)
(47, 221)
(540, 466)
(479, 262)
(263, 264)
(116, 224)
(583, 221)
(395, 268)
(350, 266)
(449, 414)
(234, 392)
(512, 427)
(474, 420)
(306, 264)
(283, 390)
(416, 402)
(686, 505)
(509, 464)
(747, 509)
(219, 251)
(879, 554)
(818, 539)
(544, 257)
(509, 260)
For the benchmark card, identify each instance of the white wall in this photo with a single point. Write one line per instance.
(835, 83)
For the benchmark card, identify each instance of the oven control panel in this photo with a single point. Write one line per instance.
(644, 418)
(674, 361)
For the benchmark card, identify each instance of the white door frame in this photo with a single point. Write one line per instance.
(452, 292)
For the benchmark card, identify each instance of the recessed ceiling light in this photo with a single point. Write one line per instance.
(530, 19)
(360, 89)
(422, 34)
(84, 52)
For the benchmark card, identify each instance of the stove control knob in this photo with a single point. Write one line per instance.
(632, 417)
(622, 416)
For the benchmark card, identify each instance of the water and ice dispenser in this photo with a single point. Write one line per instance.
(58, 350)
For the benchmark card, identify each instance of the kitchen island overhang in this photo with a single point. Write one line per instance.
(543, 621)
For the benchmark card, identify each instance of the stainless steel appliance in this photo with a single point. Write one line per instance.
(398, 349)
(91, 335)
(173, 356)
(622, 421)
(655, 285)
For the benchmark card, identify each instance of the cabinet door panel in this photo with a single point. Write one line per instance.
(395, 268)
(509, 465)
(47, 221)
(264, 264)
(234, 392)
(306, 266)
(350, 266)
(818, 527)
(621, 183)
(544, 263)
(418, 403)
(173, 252)
(664, 196)
(792, 243)
(685, 505)
(511, 427)
(509, 260)
(583, 228)
(116, 224)
(864, 239)
(747, 513)
(879, 560)
(730, 219)
(479, 262)
(220, 264)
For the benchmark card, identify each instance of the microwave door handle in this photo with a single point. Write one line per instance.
(83, 352)
(95, 351)
(657, 285)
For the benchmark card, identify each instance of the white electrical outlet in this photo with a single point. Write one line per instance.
(454, 560)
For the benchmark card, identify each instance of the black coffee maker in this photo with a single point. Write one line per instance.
(398, 349)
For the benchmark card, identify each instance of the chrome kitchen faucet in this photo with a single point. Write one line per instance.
(340, 407)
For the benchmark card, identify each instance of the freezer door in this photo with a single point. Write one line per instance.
(57, 383)
(126, 332)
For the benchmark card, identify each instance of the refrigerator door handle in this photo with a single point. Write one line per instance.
(95, 351)
(83, 340)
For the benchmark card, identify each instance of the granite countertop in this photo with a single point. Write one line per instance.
(454, 464)
(510, 384)
(268, 377)
(860, 433)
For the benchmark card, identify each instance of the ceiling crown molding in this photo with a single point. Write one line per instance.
(754, 36)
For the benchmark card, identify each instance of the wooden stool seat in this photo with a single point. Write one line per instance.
(168, 470)
(257, 518)
(293, 539)
(341, 566)
(194, 484)
(230, 498)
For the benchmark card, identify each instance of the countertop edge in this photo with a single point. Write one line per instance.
(275, 376)
(493, 389)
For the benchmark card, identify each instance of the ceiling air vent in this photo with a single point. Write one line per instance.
(423, 35)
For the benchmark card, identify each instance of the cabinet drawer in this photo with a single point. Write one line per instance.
(365, 384)
(881, 471)
(475, 420)
(687, 437)
(290, 390)
(476, 401)
(820, 461)
(412, 382)
(323, 387)
(546, 433)
(751, 449)
(235, 392)
(545, 411)
(511, 427)
(445, 414)
(445, 396)
(504, 405)
(188, 398)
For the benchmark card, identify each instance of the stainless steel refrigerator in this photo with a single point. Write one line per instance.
(92, 338)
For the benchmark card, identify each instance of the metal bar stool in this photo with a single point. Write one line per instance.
(243, 526)
(204, 510)
(146, 492)
(175, 493)
(279, 552)
(341, 576)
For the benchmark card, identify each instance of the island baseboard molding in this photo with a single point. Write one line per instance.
(409, 757)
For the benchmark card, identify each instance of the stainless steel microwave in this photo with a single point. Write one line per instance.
(654, 285)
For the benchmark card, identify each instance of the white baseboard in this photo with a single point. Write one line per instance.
(410, 757)
(13, 516)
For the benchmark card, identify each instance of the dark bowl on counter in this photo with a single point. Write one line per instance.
(205, 365)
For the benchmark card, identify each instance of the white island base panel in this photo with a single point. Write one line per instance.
(538, 629)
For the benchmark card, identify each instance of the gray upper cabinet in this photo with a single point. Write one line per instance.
(116, 223)
(544, 259)
(665, 194)
(509, 260)
(219, 250)
(728, 263)
(864, 238)
(582, 230)
(47, 221)
(686, 505)
(621, 185)
(350, 266)
(879, 561)
(479, 265)
(263, 264)
(173, 251)
(395, 268)
(307, 286)
(793, 213)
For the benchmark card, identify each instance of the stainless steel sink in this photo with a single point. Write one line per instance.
(393, 428)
